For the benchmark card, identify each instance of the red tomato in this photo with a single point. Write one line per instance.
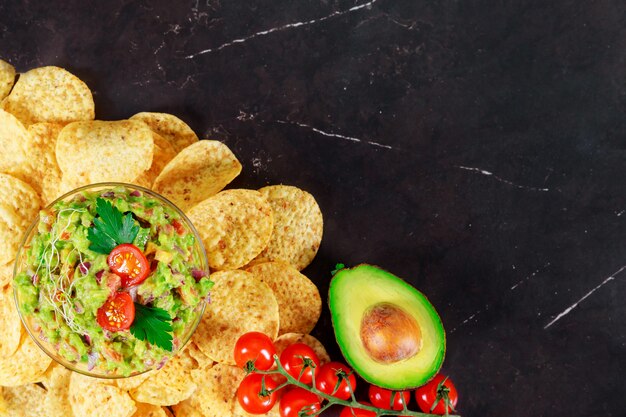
(255, 347)
(251, 396)
(117, 313)
(440, 391)
(295, 400)
(128, 262)
(292, 359)
(180, 229)
(327, 376)
(381, 398)
(357, 412)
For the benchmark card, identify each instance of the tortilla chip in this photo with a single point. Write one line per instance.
(163, 153)
(6, 273)
(298, 314)
(215, 397)
(240, 303)
(235, 226)
(290, 338)
(203, 362)
(198, 172)
(132, 382)
(57, 383)
(7, 78)
(89, 397)
(10, 324)
(28, 364)
(177, 132)
(19, 206)
(49, 94)
(14, 142)
(43, 172)
(150, 410)
(298, 226)
(25, 401)
(170, 385)
(99, 151)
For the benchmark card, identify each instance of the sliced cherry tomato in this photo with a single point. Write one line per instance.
(256, 347)
(439, 396)
(251, 396)
(293, 358)
(357, 412)
(117, 313)
(381, 398)
(328, 375)
(128, 262)
(296, 399)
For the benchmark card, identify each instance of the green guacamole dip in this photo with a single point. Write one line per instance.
(63, 283)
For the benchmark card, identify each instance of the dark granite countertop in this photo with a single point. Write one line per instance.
(475, 148)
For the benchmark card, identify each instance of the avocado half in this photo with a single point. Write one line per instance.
(353, 295)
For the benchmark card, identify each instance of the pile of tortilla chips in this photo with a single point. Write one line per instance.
(257, 242)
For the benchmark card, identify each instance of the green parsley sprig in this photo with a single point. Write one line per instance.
(111, 228)
(154, 325)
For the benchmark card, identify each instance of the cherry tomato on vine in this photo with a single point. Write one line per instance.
(292, 359)
(438, 392)
(117, 313)
(295, 400)
(127, 261)
(381, 398)
(328, 375)
(357, 412)
(256, 347)
(251, 396)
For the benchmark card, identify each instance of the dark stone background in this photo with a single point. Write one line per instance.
(498, 190)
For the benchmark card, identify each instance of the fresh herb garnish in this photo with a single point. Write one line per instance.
(338, 267)
(111, 228)
(154, 325)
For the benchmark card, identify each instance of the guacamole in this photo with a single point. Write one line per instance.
(64, 283)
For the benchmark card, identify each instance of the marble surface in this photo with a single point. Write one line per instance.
(475, 148)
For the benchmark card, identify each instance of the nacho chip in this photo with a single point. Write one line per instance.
(170, 385)
(235, 226)
(44, 174)
(6, 273)
(299, 301)
(149, 410)
(49, 94)
(10, 324)
(89, 397)
(25, 401)
(132, 382)
(28, 364)
(290, 338)
(215, 397)
(240, 303)
(19, 205)
(163, 153)
(198, 172)
(202, 364)
(177, 132)
(298, 226)
(7, 78)
(14, 142)
(57, 383)
(99, 151)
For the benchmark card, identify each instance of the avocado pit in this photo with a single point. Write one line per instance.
(389, 334)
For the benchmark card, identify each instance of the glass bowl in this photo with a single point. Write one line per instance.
(50, 327)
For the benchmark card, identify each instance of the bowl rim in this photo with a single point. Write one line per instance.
(54, 355)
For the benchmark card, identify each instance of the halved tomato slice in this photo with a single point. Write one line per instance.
(128, 262)
(117, 313)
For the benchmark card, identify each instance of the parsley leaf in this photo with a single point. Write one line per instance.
(338, 267)
(154, 325)
(111, 228)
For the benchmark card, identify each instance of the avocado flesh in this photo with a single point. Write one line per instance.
(352, 292)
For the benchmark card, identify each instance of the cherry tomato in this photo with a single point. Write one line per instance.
(250, 393)
(256, 347)
(295, 400)
(117, 313)
(381, 398)
(327, 376)
(440, 391)
(292, 359)
(128, 262)
(357, 412)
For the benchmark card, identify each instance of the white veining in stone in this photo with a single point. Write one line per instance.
(530, 276)
(497, 178)
(335, 135)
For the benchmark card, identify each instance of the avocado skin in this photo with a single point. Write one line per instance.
(385, 376)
